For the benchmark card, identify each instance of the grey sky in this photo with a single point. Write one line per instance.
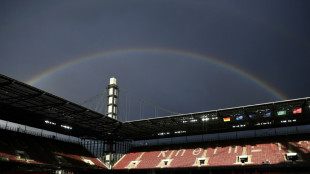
(267, 39)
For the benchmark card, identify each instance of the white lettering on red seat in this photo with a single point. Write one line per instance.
(179, 151)
(197, 151)
(163, 152)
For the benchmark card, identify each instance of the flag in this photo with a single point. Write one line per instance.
(226, 119)
(239, 117)
(297, 111)
(267, 114)
(280, 113)
(252, 115)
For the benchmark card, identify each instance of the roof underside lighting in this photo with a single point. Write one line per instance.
(194, 120)
(50, 122)
(288, 121)
(263, 123)
(205, 119)
(239, 126)
(163, 133)
(66, 127)
(179, 132)
(191, 120)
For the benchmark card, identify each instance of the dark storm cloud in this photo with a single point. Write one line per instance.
(268, 39)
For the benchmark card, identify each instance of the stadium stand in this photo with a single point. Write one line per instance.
(24, 150)
(269, 138)
(278, 152)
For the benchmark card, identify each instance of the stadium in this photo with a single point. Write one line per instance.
(255, 139)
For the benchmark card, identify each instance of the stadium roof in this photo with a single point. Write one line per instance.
(266, 115)
(24, 104)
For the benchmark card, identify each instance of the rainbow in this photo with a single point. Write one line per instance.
(240, 72)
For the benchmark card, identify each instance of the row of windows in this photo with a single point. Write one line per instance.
(259, 113)
(262, 113)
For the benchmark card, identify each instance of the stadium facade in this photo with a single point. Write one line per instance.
(262, 138)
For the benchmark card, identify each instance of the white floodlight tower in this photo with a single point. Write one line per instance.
(111, 111)
(112, 104)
